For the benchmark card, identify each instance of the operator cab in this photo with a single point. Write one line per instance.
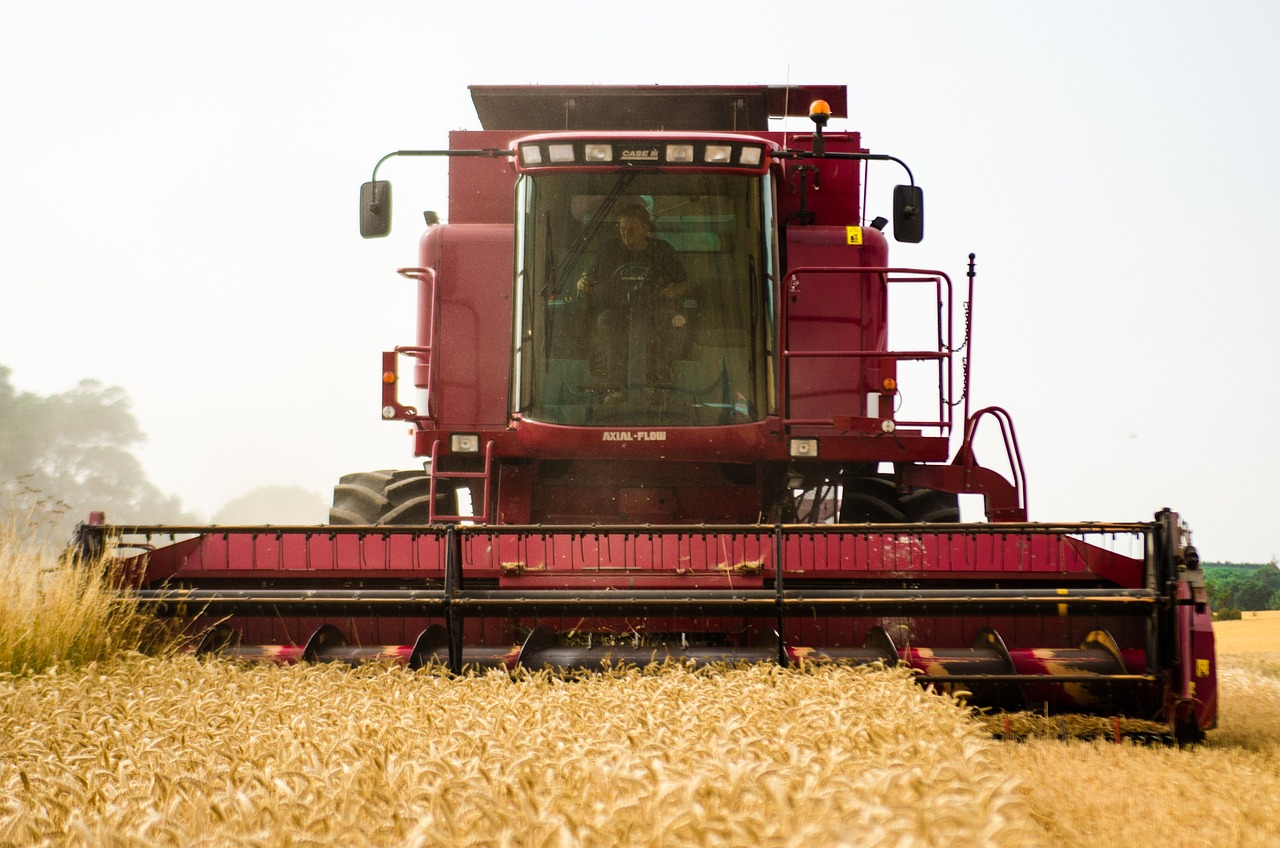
(670, 328)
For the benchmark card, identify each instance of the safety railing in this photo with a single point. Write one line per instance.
(392, 408)
(941, 355)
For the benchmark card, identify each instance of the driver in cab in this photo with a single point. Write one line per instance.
(637, 285)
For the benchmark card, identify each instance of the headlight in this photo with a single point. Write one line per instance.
(718, 153)
(804, 448)
(464, 443)
(679, 152)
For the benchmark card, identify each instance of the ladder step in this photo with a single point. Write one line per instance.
(437, 475)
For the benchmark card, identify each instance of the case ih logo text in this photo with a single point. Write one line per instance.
(635, 435)
(639, 154)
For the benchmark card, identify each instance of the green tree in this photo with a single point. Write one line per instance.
(1233, 586)
(63, 455)
(1259, 588)
(1223, 585)
(1274, 602)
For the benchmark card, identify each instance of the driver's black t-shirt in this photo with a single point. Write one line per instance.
(623, 276)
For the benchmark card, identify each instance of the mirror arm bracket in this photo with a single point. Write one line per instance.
(876, 157)
(487, 152)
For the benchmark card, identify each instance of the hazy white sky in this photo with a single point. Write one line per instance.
(181, 187)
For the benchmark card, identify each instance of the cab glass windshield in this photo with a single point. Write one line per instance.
(644, 299)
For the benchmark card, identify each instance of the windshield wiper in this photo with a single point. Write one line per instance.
(560, 272)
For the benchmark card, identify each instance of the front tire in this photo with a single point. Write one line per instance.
(876, 500)
(388, 498)
(358, 498)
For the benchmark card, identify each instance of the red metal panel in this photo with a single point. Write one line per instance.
(515, 494)
(821, 554)
(732, 442)
(651, 491)
(836, 312)
(480, 187)
(915, 555)
(621, 555)
(474, 267)
(815, 553)
(1196, 687)
(266, 554)
(838, 198)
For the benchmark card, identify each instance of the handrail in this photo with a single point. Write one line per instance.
(485, 475)
(983, 528)
(966, 459)
(943, 355)
(425, 353)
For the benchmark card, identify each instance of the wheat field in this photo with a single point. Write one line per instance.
(180, 752)
(127, 749)
(1224, 792)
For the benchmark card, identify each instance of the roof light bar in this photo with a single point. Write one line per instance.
(734, 154)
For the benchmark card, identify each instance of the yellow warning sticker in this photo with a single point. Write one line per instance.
(854, 234)
(1202, 668)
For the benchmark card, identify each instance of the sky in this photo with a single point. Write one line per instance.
(181, 187)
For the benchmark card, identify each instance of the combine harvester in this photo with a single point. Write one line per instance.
(660, 417)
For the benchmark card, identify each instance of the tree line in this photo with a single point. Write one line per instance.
(66, 454)
(1233, 587)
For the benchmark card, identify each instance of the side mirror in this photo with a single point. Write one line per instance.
(375, 209)
(908, 214)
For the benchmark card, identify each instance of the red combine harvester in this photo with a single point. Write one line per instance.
(660, 417)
